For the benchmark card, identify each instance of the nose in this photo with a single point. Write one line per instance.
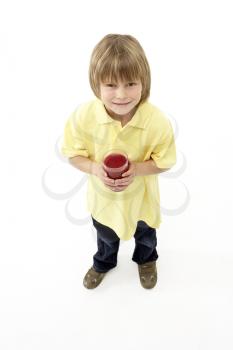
(120, 92)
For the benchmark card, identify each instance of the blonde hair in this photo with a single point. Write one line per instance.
(119, 57)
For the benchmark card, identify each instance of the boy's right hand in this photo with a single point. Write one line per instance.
(103, 176)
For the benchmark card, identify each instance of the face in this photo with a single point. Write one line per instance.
(120, 99)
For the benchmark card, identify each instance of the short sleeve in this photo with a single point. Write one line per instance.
(164, 153)
(73, 143)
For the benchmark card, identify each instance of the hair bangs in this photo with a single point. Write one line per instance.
(120, 69)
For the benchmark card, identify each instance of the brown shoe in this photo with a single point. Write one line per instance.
(148, 274)
(93, 278)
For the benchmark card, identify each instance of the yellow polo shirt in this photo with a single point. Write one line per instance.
(91, 132)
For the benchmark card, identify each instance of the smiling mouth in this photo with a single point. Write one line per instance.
(121, 104)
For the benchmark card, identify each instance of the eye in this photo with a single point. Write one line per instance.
(132, 84)
(110, 85)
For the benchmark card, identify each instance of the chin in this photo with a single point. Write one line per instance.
(122, 113)
(123, 109)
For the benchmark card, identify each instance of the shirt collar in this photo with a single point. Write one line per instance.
(138, 120)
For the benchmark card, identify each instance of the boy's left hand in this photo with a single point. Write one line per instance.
(127, 178)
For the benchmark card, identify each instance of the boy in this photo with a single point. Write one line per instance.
(121, 118)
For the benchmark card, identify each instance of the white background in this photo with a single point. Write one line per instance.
(44, 252)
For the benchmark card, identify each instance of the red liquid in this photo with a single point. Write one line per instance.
(115, 165)
(115, 160)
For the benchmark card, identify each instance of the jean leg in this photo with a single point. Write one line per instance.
(108, 245)
(145, 244)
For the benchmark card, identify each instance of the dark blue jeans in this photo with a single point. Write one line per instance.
(108, 245)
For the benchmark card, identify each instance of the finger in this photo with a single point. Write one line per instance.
(119, 188)
(118, 182)
(122, 186)
(116, 188)
(121, 183)
(106, 174)
(110, 185)
(109, 181)
(127, 173)
(111, 188)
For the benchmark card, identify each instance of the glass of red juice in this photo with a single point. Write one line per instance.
(115, 163)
